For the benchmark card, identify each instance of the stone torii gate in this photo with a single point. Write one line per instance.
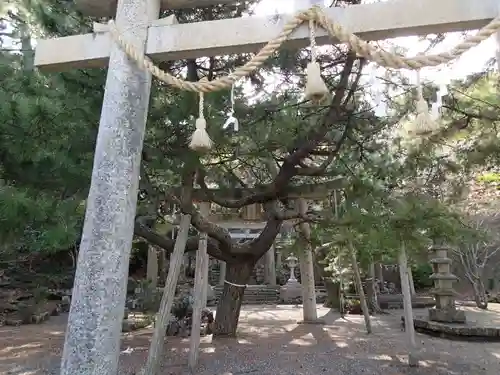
(94, 326)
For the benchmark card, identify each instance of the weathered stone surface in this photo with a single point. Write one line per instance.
(248, 34)
(291, 292)
(92, 343)
(445, 310)
(463, 331)
(450, 315)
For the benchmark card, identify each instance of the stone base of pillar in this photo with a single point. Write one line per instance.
(449, 315)
(412, 360)
(291, 291)
(316, 321)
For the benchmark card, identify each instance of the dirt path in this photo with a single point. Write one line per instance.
(271, 343)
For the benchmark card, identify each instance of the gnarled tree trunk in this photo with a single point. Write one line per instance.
(229, 306)
(371, 289)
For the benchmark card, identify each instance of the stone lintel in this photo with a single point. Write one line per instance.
(376, 21)
(107, 8)
(309, 191)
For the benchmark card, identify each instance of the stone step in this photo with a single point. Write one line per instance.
(256, 294)
(262, 294)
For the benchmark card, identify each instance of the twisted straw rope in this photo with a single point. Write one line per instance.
(336, 31)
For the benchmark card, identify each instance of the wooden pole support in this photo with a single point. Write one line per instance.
(200, 293)
(155, 354)
(408, 308)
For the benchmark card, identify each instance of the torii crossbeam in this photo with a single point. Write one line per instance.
(94, 325)
(238, 35)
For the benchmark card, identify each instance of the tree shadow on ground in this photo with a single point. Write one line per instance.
(338, 347)
(270, 342)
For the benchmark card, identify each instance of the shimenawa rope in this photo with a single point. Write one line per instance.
(336, 31)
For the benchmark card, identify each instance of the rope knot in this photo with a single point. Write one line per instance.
(200, 140)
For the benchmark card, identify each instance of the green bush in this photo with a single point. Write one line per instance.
(421, 276)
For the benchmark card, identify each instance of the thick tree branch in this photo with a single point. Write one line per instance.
(274, 190)
(320, 170)
(167, 243)
(261, 244)
(221, 235)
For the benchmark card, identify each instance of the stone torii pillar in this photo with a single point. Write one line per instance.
(92, 343)
(310, 313)
(270, 267)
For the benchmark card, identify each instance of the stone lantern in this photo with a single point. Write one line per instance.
(445, 310)
(292, 263)
(291, 292)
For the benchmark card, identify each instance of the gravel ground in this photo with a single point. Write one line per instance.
(271, 343)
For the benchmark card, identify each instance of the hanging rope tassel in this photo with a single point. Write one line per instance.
(200, 140)
(316, 89)
(423, 123)
(231, 120)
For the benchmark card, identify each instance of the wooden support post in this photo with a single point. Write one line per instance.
(408, 309)
(92, 342)
(359, 286)
(205, 211)
(155, 354)
(200, 295)
(412, 283)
